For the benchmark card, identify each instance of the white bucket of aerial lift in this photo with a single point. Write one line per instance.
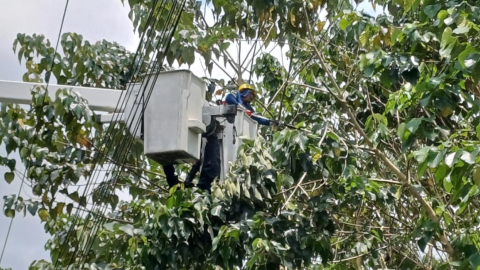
(177, 114)
(245, 127)
(173, 118)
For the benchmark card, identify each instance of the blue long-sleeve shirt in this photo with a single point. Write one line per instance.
(233, 99)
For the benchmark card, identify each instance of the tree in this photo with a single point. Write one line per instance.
(382, 173)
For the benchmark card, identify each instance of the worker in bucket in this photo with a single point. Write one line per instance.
(245, 95)
(211, 161)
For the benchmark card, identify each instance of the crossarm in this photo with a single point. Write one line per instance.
(99, 99)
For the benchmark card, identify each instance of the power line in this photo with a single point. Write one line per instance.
(122, 147)
(122, 101)
(171, 24)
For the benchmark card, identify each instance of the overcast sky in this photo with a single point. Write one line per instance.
(95, 20)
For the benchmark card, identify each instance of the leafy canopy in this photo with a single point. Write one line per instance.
(383, 172)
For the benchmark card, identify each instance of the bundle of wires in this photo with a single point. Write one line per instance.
(156, 37)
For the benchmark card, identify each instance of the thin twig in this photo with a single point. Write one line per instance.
(385, 181)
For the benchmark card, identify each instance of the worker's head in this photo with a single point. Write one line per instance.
(247, 92)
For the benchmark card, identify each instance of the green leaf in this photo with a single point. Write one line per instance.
(421, 169)
(413, 124)
(10, 213)
(224, 46)
(474, 261)
(287, 180)
(32, 208)
(216, 210)
(44, 215)
(432, 10)
(113, 201)
(301, 140)
(461, 30)
(378, 234)
(434, 158)
(470, 63)
(257, 194)
(446, 37)
(69, 208)
(422, 242)
(440, 173)
(188, 55)
(9, 176)
(255, 243)
(448, 43)
(464, 55)
(421, 154)
(407, 5)
(127, 228)
(11, 164)
(333, 136)
(344, 23)
(74, 196)
(60, 207)
(397, 34)
(442, 14)
(9, 201)
(447, 185)
(469, 157)
(401, 130)
(448, 21)
(476, 176)
(110, 226)
(369, 71)
(452, 158)
(456, 263)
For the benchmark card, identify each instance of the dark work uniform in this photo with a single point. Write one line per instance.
(210, 169)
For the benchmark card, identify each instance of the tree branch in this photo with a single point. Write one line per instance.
(385, 181)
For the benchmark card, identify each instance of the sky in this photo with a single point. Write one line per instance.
(95, 20)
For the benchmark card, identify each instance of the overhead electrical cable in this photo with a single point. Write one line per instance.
(110, 134)
(121, 150)
(145, 97)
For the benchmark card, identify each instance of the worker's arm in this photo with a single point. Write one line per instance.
(232, 100)
(261, 120)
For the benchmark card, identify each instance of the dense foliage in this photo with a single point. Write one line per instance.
(382, 174)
